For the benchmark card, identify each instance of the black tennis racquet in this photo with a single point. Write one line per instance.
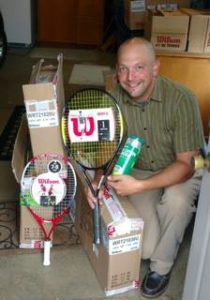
(48, 185)
(94, 132)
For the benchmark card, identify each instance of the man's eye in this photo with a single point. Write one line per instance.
(139, 68)
(122, 69)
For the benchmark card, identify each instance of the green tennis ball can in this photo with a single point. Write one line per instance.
(129, 155)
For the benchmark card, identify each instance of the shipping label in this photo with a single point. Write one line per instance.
(41, 114)
(125, 244)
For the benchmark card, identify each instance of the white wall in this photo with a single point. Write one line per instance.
(17, 19)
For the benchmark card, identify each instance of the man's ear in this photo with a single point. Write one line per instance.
(156, 68)
(116, 72)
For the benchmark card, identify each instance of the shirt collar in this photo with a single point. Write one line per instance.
(157, 94)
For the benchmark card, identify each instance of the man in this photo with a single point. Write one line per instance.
(162, 186)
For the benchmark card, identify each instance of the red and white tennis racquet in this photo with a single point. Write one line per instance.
(94, 132)
(48, 186)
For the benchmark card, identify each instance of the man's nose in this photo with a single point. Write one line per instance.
(131, 75)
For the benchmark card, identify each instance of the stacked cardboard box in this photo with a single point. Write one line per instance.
(167, 30)
(135, 14)
(116, 260)
(199, 30)
(44, 101)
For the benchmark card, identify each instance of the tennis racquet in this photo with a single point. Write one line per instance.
(94, 132)
(48, 186)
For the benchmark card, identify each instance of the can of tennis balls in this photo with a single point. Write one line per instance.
(129, 155)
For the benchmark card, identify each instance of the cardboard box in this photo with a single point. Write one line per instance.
(31, 236)
(199, 30)
(44, 101)
(116, 261)
(30, 233)
(167, 30)
(40, 132)
(207, 41)
(135, 14)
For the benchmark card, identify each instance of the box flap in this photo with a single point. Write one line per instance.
(19, 156)
(43, 91)
(174, 13)
(49, 74)
(195, 12)
(9, 189)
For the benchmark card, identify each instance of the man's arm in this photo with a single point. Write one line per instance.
(178, 172)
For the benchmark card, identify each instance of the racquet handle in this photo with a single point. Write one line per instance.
(96, 224)
(47, 245)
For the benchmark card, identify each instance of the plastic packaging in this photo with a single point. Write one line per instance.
(129, 155)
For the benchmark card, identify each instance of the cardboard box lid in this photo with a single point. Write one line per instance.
(173, 13)
(167, 22)
(194, 12)
(179, 24)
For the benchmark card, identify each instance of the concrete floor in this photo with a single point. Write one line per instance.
(70, 276)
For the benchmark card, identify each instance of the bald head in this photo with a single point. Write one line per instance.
(137, 68)
(139, 46)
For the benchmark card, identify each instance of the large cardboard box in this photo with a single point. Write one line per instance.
(167, 30)
(199, 30)
(135, 14)
(30, 235)
(44, 101)
(40, 132)
(116, 261)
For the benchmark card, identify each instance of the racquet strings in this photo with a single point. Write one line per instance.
(40, 165)
(94, 154)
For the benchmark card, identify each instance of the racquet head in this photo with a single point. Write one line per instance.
(48, 185)
(93, 127)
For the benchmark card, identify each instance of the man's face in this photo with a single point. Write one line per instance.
(136, 72)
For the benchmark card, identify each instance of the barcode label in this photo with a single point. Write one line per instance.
(123, 245)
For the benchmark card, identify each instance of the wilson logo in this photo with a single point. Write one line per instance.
(48, 181)
(84, 127)
(106, 193)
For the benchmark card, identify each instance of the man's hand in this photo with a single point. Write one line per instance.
(90, 197)
(125, 185)
(177, 172)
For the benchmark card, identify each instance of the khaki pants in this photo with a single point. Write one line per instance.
(166, 214)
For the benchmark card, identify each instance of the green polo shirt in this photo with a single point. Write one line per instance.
(170, 123)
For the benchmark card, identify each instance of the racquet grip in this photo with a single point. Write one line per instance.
(47, 245)
(96, 224)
